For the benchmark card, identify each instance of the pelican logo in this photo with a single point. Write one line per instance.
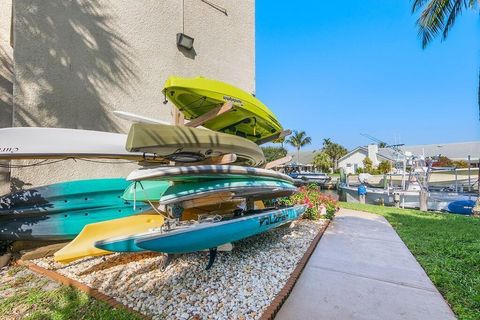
(8, 149)
(273, 218)
(234, 100)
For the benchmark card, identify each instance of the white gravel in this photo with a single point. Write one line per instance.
(240, 284)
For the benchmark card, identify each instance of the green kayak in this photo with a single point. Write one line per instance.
(185, 144)
(249, 117)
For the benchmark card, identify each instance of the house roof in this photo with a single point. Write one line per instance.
(306, 157)
(454, 151)
(385, 153)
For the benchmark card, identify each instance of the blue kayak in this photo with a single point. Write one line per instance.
(204, 235)
(461, 206)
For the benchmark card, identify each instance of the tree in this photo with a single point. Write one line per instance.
(437, 17)
(367, 165)
(322, 161)
(298, 140)
(382, 144)
(384, 166)
(273, 153)
(460, 164)
(443, 162)
(334, 150)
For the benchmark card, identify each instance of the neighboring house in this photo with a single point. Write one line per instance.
(71, 63)
(455, 151)
(354, 159)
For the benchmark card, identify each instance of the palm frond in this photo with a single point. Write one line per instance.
(455, 11)
(299, 139)
(418, 4)
(306, 141)
(472, 4)
(438, 17)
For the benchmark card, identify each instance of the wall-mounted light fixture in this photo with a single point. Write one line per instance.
(184, 41)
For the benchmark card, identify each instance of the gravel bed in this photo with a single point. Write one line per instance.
(240, 285)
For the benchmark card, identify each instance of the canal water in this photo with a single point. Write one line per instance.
(331, 192)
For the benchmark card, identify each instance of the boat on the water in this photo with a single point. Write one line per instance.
(305, 174)
(303, 177)
(453, 202)
(414, 180)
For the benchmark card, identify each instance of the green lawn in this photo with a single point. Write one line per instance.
(25, 295)
(448, 248)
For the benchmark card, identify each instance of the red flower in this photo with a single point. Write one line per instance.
(307, 202)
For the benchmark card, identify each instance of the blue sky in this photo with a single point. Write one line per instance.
(337, 69)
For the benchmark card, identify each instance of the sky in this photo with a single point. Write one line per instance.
(337, 69)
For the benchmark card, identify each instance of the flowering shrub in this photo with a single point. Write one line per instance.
(319, 204)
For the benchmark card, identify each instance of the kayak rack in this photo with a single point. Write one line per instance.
(279, 135)
(210, 115)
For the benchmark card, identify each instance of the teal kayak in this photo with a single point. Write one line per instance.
(60, 211)
(203, 235)
(151, 190)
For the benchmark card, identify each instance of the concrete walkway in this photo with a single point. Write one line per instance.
(361, 269)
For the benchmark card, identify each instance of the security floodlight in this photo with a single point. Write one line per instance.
(184, 41)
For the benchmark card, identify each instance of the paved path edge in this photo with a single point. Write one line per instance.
(282, 295)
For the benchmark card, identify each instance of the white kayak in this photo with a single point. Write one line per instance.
(59, 143)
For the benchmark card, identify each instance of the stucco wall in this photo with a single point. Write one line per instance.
(6, 79)
(76, 61)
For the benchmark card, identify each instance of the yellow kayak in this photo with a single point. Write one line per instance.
(249, 118)
(82, 245)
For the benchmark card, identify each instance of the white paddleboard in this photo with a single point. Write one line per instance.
(59, 143)
(202, 172)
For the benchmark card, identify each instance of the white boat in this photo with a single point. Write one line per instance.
(301, 176)
(310, 177)
(437, 200)
(407, 195)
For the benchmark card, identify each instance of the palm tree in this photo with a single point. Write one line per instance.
(437, 17)
(327, 142)
(334, 150)
(298, 140)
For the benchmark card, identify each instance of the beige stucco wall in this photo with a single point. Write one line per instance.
(76, 61)
(6, 79)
